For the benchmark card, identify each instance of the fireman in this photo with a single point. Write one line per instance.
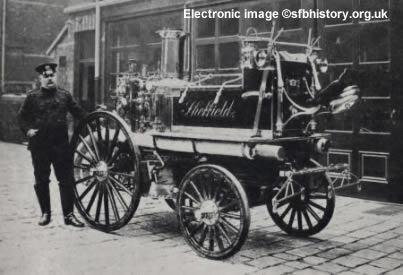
(42, 118)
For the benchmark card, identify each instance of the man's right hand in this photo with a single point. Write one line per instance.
(31, 132)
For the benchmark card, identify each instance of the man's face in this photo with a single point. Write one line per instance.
(48, 79)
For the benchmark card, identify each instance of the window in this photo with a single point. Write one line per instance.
(339, 5)
(62, 61)
(374, 42)
(375, 5)
(339, 44)
(289, 23)
(216, 43)
(136, 41)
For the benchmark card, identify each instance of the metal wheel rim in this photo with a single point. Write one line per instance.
(106, 201)
(307, 214)
(219, 240)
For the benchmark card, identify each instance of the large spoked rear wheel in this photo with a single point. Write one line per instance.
(106, 171)
(308, 213)
(213, 211)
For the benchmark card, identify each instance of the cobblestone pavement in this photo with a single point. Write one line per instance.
(364, 237)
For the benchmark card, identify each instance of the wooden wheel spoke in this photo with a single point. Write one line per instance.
(98, 128)
(118, 183)
(229, 225)
(314, 204)
(106, 138)
(196, 229)
(113, 202)
(82, 166)
(218, 239)
(106, 205)
(216, 191)
(228, 206)
(197, 190)
(224, 233)
(91, 202)
(313, 213)
(282, 203)
(122, 174)
(308, 220)
(101, 194)
(84, 179)
(286, 211)
(189, 208)
(299, 216)
(231, 216)
(211, 239)
(192, 198)
(113, 143)
(291, 220)
(318, 196)
(92, 161)
(87, 190)
(203, 235)
(115, 155)
(119, 196)
(87, 146)
(93, 141)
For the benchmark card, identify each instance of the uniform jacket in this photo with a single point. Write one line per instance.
(46, 111)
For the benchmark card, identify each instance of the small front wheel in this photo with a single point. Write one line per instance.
(213, 211)
(307, 213)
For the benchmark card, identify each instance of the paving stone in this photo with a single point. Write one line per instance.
(275, 270)
(265, 262)
(254, 253)
(399, 230)
(381, 227)
(350, 261)
(387, 263)
(348, 272)
(394, 242)
(369, 270)
(361, 234)
(313, 260)
(330, 267)
(334, 253)
(387, 235)
(355, 246)
(385, 248)
(304, 251)
(297, 264)
(310, 271)
(397, 271)
(325, 245)
(286, 256)
(344, 239)
(371, 241)
(396, 255)
(369, 254)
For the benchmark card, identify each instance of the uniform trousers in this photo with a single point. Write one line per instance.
(60, 158)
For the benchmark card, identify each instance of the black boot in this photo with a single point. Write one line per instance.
(42, 193)
(70, 219)
(45, 219)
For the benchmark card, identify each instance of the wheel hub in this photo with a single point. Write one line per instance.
(208, 212)
(101, 171)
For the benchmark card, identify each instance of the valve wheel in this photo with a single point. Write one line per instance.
(213, 211)
(106, 171)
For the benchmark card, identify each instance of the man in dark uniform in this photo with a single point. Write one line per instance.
(42, 118)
